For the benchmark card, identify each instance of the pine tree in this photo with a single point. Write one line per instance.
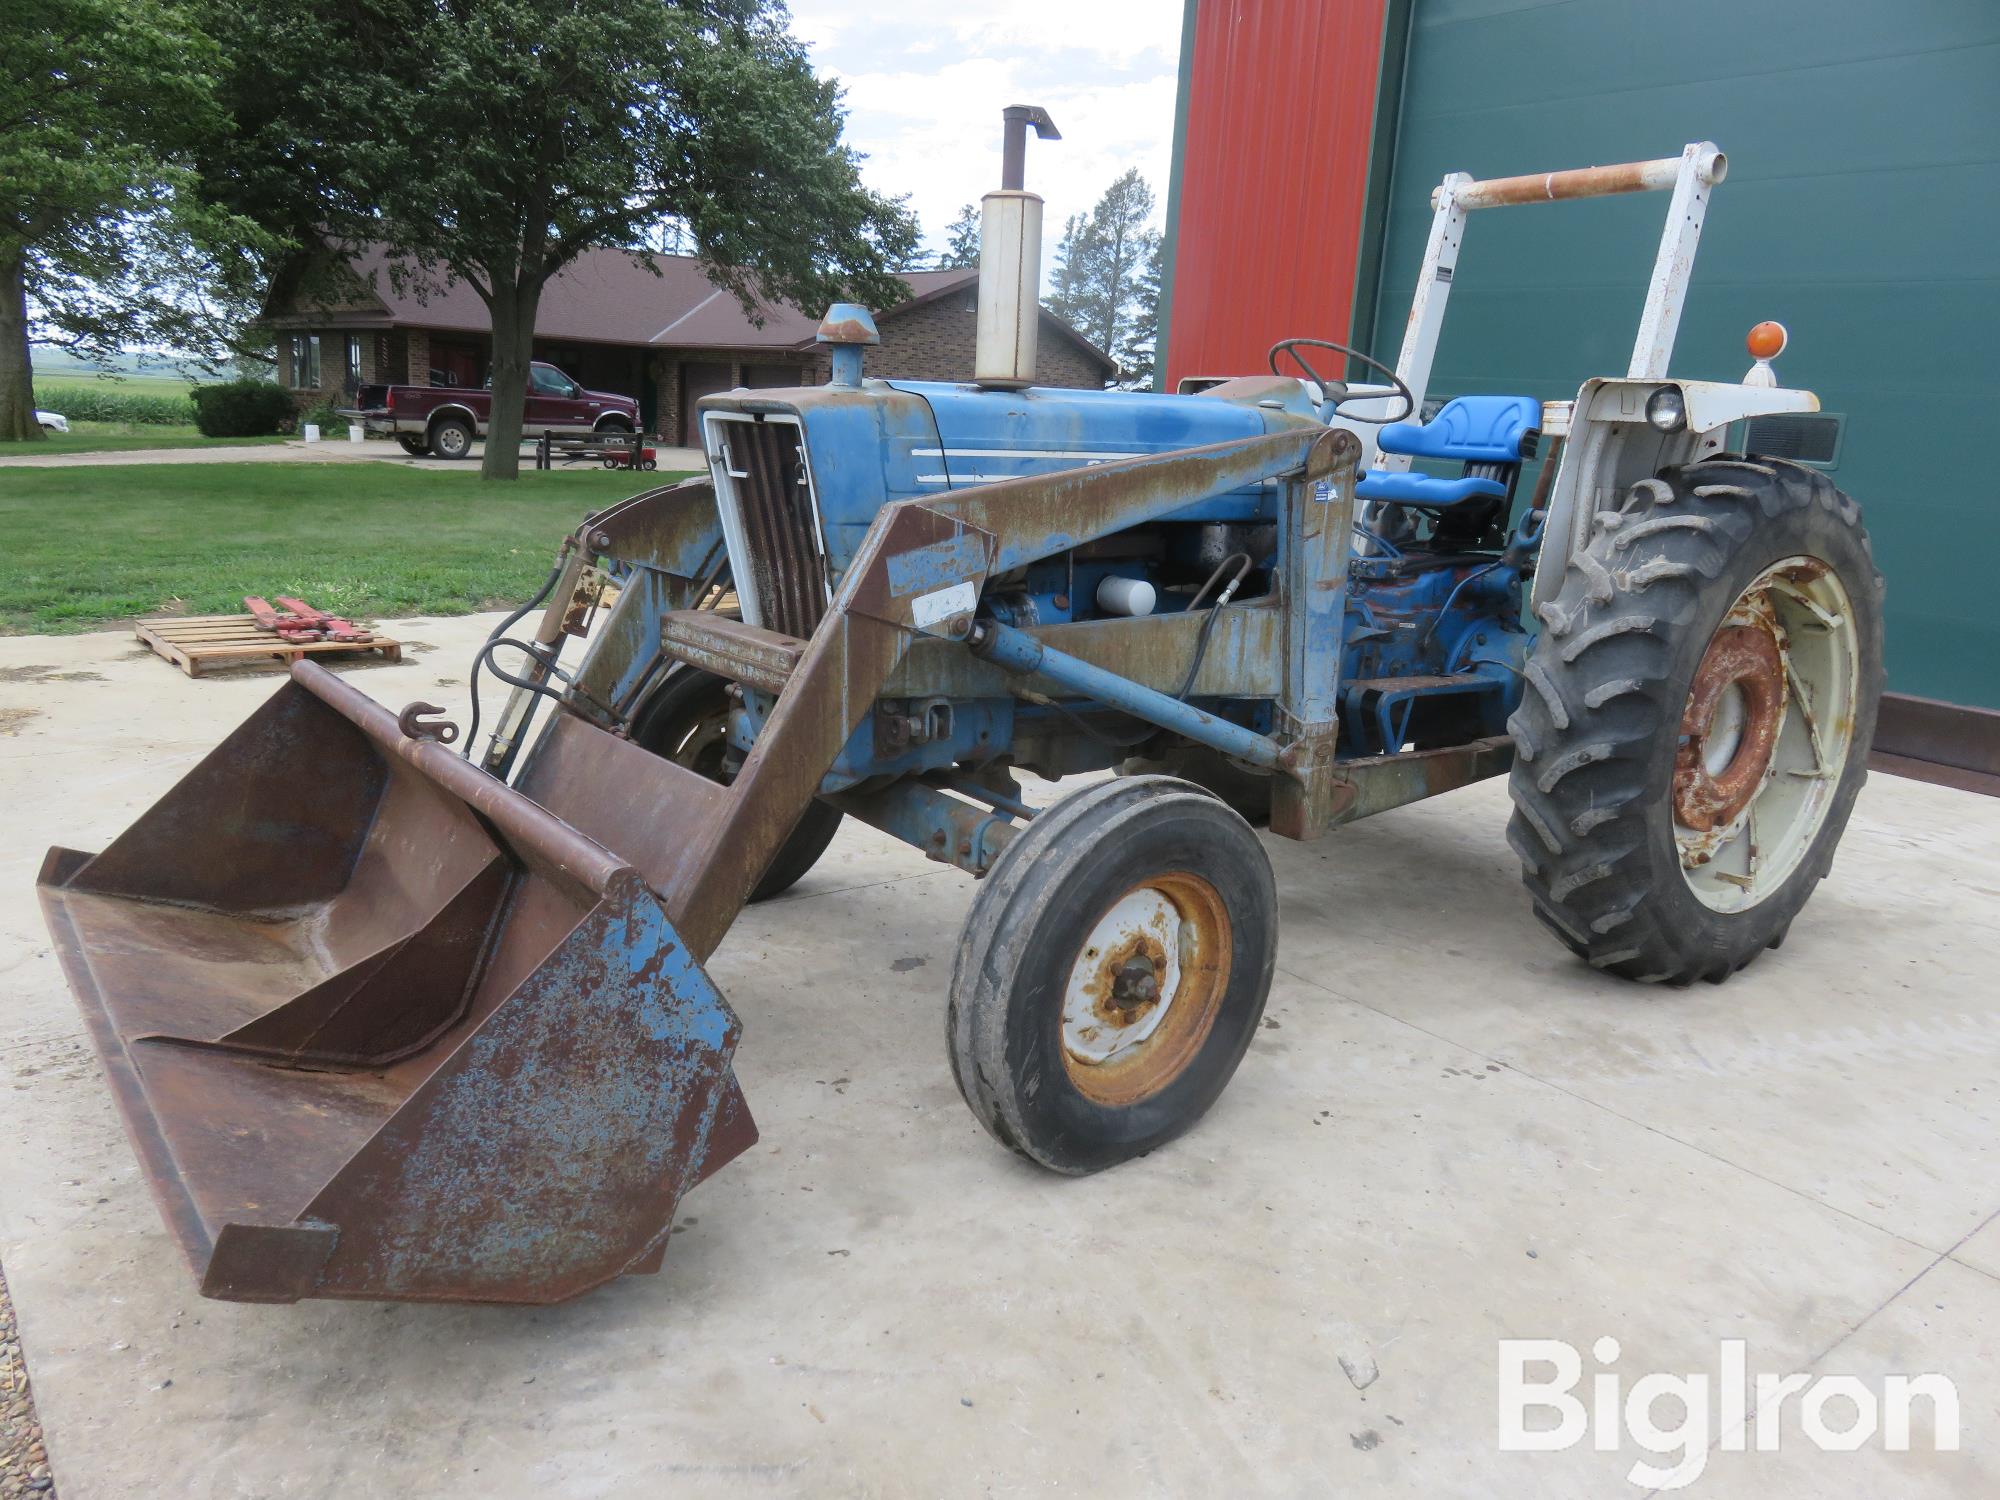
(1074, 274)
(961, 250)
(1119, 227)
(1105, 283)
(1136, 355)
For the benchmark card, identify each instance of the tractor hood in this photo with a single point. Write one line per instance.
(880, 442)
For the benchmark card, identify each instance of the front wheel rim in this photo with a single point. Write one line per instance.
(1145, 988)
(1765, 734)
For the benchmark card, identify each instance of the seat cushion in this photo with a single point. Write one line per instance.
(1423, 489)
(1470, 429)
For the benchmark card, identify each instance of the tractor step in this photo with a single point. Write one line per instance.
(764, 659)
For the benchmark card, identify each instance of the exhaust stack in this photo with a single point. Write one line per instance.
(1010, 260)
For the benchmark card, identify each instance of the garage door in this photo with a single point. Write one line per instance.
(698, 379)
(1862, 210)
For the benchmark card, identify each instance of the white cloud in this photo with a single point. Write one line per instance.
(926, 82)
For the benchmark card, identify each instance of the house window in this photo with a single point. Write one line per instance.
(353, 361)
(305, 361)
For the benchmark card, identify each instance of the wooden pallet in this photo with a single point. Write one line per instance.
(195, 643)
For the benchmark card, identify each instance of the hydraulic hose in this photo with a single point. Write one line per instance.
(499, 631)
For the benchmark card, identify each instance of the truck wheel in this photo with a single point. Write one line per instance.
(1112, 972)
(686, 720)
(415, 446)
(451, 437)
(1696, 718)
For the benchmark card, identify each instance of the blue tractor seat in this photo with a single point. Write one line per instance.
(1490, 435)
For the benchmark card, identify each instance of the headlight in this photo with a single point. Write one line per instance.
(1665, 409)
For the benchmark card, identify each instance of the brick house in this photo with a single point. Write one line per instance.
(665, 339)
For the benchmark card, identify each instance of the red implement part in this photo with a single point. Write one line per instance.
(299, 622)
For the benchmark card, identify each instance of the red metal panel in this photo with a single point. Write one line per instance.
(1274, 172)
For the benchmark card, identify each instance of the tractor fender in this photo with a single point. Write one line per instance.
(1611, 447)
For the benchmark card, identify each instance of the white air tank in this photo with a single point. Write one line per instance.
(1010, 281)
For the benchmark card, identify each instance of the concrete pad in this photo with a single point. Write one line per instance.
(1855, 1064)
(1448, 1133)
(1981, 1248)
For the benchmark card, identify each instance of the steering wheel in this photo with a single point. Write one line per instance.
(1292, 347)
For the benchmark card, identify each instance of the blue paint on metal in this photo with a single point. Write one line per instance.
(972, 730)
(925, 568)
(1022, 653)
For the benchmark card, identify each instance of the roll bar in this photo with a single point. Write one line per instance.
(1689, 176)
(1710, 166)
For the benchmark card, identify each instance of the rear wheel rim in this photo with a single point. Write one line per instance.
(1765, 734)
(451, 441)
(1145, 988)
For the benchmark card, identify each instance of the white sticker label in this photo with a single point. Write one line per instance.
(941, 604)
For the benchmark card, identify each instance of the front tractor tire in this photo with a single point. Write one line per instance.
(1112, 973)
(1696, 718)
(686, 720)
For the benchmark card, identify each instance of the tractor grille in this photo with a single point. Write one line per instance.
(786, 571)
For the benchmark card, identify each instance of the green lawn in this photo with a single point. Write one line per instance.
(119, 437)
(90, 547)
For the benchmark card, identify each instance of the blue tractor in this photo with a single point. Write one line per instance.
(444, 1032)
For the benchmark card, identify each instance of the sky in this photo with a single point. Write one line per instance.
(926, 81)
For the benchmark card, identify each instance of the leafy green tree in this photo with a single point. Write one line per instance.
(492, 141)
(961, 250)
(1100, 279)
(102, 242)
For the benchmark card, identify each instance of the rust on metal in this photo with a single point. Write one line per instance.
(1582, 182)
(584, 598)
(763, 659)
(420, 721)
(1747, 658)
(423, 1035)
(1375, 784)
(1123, 988)
(362, 1039)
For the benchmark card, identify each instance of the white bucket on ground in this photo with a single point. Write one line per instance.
(312, 432)
(356, 432)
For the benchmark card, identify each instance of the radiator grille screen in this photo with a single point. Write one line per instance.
(786, 571)
(1807, 437)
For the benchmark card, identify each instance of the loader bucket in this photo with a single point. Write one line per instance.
(381, 1026)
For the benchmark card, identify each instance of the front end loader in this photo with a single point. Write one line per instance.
(439, 1027)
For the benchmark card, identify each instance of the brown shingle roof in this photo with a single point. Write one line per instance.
(608, 297)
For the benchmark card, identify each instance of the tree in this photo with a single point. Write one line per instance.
(102, 240)
(492, 141)
(961, 249)
(1074, 272)
(1105, 263)
(1136, 354)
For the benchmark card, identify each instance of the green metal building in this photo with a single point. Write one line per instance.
(1862, 210)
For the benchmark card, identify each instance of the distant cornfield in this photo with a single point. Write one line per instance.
(105, 402)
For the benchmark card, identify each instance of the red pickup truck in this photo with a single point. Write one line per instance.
(443, 420)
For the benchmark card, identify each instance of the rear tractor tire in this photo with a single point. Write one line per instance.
(1112, 973)
(686, 721)
(1696, 718)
